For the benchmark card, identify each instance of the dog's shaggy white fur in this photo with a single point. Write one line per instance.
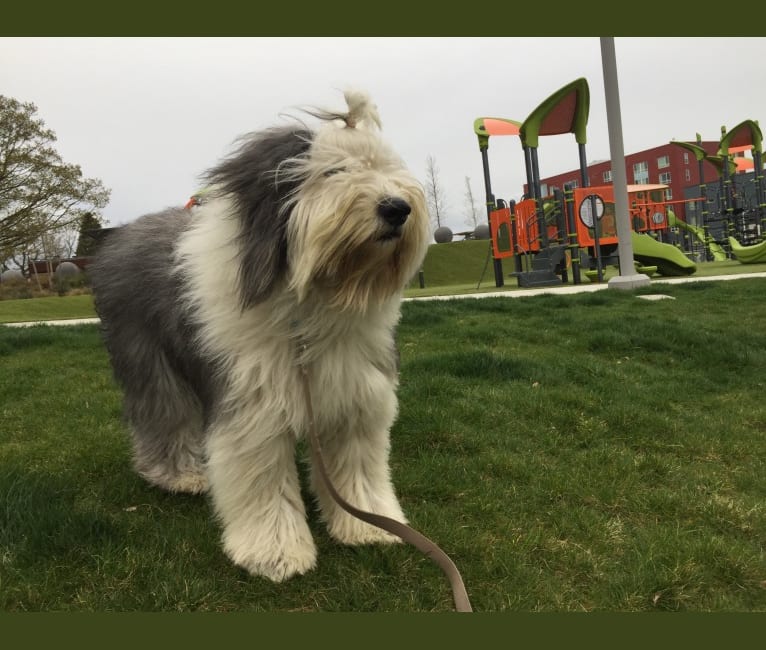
(298, 255)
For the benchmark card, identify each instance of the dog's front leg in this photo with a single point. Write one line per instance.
(357, 461)
(256, 493)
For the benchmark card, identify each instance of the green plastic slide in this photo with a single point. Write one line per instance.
(716, 250)
(668, 259)
(748, 254)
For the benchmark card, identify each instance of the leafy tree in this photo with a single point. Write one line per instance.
(86, 243)
(40, 195)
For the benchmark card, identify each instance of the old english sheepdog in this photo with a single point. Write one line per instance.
(296, 257)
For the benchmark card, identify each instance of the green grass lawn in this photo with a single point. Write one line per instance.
(593, 452)
(49, 308)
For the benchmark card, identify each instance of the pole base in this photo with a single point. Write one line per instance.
(635, 281)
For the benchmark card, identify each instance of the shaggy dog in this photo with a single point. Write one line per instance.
(297, 257)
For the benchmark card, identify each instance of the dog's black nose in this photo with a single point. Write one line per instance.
(393, 210)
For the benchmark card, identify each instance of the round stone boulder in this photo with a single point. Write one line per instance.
(481, 231)
(67, 270)
(442, 235)
(10, 275)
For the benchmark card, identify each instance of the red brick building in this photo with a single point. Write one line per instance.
(667, 164)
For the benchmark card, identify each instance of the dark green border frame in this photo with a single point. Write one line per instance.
(392, 18)
(395, 18)
(597, 630)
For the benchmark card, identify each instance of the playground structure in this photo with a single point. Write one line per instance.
(732, 218)
(574, 229)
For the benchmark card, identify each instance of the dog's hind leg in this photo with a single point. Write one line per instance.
(165, 419)
(151, 343)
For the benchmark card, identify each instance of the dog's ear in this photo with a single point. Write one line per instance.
(251, 178)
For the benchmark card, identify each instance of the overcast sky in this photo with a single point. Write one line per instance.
(148, 115)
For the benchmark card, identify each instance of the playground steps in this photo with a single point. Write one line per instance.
(537, 278)
(543, 273)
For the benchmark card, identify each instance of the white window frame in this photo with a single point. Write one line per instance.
(641, 173)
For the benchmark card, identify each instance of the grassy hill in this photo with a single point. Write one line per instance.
(457, 263)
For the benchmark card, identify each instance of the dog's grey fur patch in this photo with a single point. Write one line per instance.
(251, 178)
(151, 342)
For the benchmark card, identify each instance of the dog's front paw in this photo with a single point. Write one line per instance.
(189, 482)
(354, 532)
(272, 560)
(192, 483)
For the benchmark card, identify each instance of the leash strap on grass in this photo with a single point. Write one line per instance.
(406, 533)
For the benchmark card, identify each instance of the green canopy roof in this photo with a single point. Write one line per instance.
(717, 162)
(565, 111)
(699, 152)
(484, 127)
(746, 133)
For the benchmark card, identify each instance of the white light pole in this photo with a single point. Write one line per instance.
(628, 278)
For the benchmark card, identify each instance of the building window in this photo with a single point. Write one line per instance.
(574, 184)
(663, 161)
(608, 176)
(668, 194)
(686, 158)
(687, 175)
(544, 189)
(641, 173)
(665, 178)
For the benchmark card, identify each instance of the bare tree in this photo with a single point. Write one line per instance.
(470, 205)
(62, 243)
(434, 192)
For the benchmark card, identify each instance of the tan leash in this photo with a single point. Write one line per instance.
(406, 533)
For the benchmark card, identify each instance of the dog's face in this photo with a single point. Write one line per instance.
(332, 212)
(359, 225)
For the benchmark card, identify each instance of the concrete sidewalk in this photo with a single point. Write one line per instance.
(584, 288)
(521, 293)
(63, 321)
